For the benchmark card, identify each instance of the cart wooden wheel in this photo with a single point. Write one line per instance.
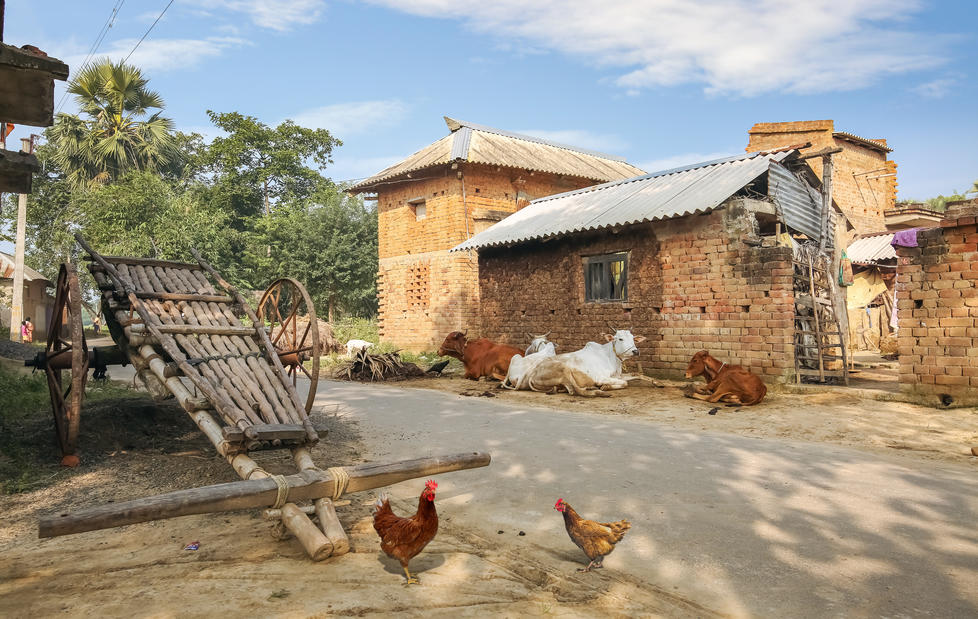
(66, 344)
(287, 310)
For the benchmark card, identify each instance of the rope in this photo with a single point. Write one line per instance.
(341, 480)
(195, 361)
(283, 491)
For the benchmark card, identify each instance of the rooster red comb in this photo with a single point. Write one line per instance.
(431, 484)
(558, 503)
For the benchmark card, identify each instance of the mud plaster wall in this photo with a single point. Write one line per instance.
(424, 292)
(692, 285)
(937, 308)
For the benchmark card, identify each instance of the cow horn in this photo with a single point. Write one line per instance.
(530, 335)
(547, 333)
(611, 326)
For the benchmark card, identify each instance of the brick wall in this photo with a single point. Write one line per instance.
(937, 308)
(692, 284)
(424, 292)
(861, 197)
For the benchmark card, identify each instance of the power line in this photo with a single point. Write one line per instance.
(148, 31)
(95, 45)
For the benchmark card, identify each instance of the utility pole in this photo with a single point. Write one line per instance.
(17, 307)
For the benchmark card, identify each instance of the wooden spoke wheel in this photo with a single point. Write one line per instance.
(287, 311)
(66, 345)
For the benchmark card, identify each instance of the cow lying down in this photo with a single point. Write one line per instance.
(730, 384)
(552, 374)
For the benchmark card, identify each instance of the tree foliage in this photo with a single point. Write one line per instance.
(115, 132)
(254, 201)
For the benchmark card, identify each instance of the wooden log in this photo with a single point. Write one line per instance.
(316, 544)
(306, 485)
(331, 526)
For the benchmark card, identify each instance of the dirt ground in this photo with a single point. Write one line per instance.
(138, 448)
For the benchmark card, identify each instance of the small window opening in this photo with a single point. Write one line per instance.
(606, 277)
(417, 206)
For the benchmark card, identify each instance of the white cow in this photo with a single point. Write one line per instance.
(602, 362)
(520, 367)
(537, 342)
(355, 346)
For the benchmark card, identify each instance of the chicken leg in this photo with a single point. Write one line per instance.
(411, 580)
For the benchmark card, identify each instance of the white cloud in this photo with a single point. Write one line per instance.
(579, 138)
(160, 54)
(741, 47)
(936, 89)
(345, 119)
(676, 161)
(281, 15)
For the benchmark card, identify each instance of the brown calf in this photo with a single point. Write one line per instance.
(481, 357)
(732, 384)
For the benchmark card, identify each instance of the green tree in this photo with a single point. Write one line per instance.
(114, 133)
(255, 167)
(330, 246)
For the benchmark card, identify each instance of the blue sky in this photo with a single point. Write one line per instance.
(660, 82)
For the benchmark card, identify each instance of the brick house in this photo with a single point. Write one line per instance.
(687, 257)
(863, 180)
(442, 195)
(38, 303)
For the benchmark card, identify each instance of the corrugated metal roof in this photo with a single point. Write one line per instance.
(7, 270)
(671, 193)
(479, 144)
(798, 207)
(872, 249)
(845, 135)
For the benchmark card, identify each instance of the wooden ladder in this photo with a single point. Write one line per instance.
(822, 327)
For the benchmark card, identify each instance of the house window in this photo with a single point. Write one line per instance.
(418, 208)
(606, 277)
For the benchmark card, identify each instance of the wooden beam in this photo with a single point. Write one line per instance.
(308, 485)
(16, 171)
(143, 328)
(179, 296)
(822, 153)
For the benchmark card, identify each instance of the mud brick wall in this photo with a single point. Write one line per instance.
(692, 284)
(937, 309)
(863, 198)
(423, 291)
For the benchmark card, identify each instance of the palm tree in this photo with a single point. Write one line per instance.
(112, 135)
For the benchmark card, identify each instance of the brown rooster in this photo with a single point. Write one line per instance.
(596, 539)
(403, 538)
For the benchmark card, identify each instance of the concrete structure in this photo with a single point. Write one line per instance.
(38, 303)
(863, 181)
(442, 195)
(937, 308)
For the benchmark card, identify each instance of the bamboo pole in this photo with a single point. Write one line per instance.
(315, 542)
(269, 350)
(306, 485)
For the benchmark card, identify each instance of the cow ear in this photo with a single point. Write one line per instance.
(608, 337)
(639, 339)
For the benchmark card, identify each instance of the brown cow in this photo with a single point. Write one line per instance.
(732, 384)
(481, 357)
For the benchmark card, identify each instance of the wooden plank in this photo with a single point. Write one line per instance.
(150, 262)
(141, 329)
(832, 373)
(179, 296)
(272, 431)
(307, 485)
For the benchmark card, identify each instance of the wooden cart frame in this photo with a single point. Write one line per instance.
(192, 336)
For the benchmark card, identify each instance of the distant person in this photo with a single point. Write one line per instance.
(23, 331)
(96, 325)
(28, 330)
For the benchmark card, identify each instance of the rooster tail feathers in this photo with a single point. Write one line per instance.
(382, 499)
(618, 528)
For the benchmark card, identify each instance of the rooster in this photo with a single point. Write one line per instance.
(403, 538)
(596, 539)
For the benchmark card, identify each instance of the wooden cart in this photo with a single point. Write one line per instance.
(190, 335)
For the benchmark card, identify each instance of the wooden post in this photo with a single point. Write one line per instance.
(826, 202)
(312, 539)
(17, 305)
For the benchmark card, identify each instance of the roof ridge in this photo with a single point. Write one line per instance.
(454, 125)
(667, 172)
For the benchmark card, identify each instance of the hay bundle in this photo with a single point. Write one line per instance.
(372, 367)
(327, 340)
